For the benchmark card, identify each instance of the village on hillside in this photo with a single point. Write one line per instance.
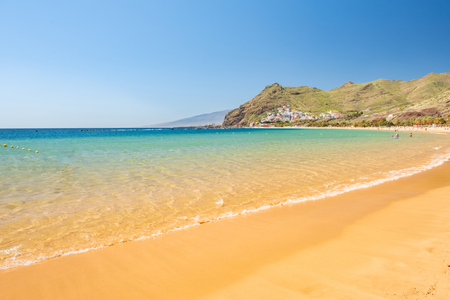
(286, 114)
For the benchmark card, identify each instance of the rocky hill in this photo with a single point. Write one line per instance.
(379, 97)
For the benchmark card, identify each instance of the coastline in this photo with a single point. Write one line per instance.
(227, 214)
(270, 255)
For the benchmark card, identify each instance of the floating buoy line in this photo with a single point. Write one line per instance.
(12, 146)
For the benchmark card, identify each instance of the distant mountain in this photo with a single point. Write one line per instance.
(378, 97)
(215, 118)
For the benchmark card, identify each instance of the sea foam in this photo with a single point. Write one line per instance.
(11, 262)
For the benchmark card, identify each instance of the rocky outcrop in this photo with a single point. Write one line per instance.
(269, 99)
(428, 112)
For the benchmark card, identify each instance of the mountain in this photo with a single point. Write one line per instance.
(215, 118)
(378, 97)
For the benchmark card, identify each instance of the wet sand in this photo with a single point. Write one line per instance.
(390, 241)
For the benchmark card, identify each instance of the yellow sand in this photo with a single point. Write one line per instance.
(409, 129)
(391, 241)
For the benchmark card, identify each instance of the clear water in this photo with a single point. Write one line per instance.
(87, 189)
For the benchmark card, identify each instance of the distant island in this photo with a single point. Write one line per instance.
(382, 102)
(211, 119)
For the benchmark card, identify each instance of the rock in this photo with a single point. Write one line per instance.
(431, 112)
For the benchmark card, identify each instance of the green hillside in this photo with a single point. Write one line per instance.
(378, 97)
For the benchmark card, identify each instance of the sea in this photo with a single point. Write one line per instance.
(86, 189)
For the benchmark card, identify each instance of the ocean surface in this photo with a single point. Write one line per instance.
(91, 188)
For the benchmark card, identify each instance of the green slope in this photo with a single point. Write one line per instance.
(373, 97)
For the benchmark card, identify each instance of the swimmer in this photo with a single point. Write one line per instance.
(410, 135)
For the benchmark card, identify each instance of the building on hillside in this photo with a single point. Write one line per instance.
(336, 115)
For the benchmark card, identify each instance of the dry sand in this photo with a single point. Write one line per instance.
(445, 130)
(390, 241)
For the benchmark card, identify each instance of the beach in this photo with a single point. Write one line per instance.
(410, 129)
(388, 241)
(89, 189)
(194, 151)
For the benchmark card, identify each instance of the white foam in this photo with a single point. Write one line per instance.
(10, 250)
(338, 190)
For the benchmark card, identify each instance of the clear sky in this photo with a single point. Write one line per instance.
(133, 63)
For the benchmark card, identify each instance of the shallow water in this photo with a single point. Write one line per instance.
(90, 189)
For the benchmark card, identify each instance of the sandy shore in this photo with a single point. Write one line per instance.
(410, 129)
(390, 241)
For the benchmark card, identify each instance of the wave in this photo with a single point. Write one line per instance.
(391, 175)
(335, 191)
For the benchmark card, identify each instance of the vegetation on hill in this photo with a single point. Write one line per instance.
(360, 102)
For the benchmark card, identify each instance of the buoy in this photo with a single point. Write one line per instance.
(12, 146)
(4, 145)
(37, 151)
(29, 149)
(320, 134)
(217, 133)
(266, 132)
(23, 148)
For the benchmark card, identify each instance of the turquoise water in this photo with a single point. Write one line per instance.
(87, 189)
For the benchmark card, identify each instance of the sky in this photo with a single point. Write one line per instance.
(134, 63)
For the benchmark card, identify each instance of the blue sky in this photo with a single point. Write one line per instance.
(133, 63)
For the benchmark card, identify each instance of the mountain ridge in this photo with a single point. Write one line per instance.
(214, 118)
(375, 97)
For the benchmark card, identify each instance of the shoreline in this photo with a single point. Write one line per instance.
(217, 257)
(445, 130)
(402, 173)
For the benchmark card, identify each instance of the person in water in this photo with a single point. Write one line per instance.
(396, 135)
(410, 135)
